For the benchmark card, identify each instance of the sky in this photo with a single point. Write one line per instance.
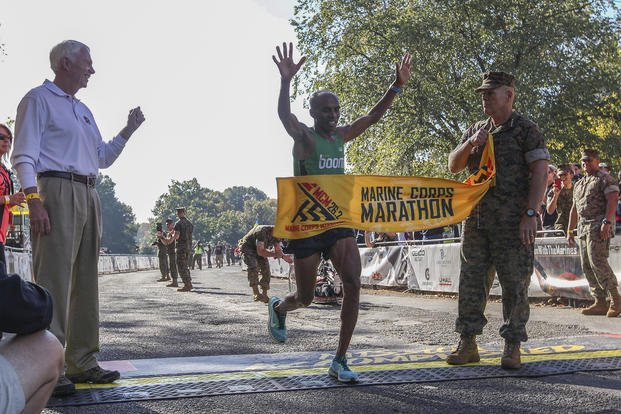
(201, 71)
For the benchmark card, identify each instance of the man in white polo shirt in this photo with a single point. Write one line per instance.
(58, 151)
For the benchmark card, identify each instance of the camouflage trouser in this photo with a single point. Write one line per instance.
(163, 258)
(594, 260)
(255, 265)
(172, 266)
(183, 265)
(482, 252)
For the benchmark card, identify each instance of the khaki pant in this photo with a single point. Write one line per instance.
(65, 263)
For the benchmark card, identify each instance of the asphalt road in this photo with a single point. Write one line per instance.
(140, 318)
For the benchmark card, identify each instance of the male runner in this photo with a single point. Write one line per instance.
(311, 148)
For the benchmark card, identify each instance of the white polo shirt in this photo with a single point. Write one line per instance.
(54, 131)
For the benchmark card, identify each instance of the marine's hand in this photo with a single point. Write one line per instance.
(479, 138)
(286, 66)
(528, 229)
(404, 70)
(605, 231)
(570, 240)
(39, 220)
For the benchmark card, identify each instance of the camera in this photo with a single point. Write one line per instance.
(158, 226)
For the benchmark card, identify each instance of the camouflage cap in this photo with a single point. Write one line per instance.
(588, 154)
(169, 221)
(492, 80)
(180, 209)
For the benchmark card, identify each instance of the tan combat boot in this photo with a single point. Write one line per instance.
(600, 307)
(615, 304)
(264, 296)
(511, 356)
(467, 351)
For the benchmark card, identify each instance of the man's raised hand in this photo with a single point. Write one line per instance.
(404, 70)
(286, 66)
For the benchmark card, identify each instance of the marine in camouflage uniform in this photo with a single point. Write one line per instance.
(256, 241)
(172, 255)
(162, 256)
(499, 233)
(183, 230)
(594, 207)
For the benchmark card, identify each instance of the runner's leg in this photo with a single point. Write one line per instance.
(346, 260)
(305, 277)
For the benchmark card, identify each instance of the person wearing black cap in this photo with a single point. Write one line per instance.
(500, 232)
(593, 212)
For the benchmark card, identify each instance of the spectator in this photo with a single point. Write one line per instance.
(603, 167)
(58, 153)
(209, 255)
(198, 256)
(32, 361)
(577, 169)
(219, 252)
(548, 219)
(560, 197)
(9, 197)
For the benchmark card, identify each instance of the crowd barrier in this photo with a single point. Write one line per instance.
(425, 267)
(20, 262)
(435, 268)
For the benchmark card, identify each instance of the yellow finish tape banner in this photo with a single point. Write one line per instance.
(311, 204)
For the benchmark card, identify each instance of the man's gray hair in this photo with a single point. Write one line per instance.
(66, 48)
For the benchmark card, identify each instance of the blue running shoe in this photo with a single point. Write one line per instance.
(340, 371)
(276, 321)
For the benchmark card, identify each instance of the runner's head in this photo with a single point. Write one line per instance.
(325, 110)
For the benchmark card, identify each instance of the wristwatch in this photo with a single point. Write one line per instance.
(530, 212)
(606, 221)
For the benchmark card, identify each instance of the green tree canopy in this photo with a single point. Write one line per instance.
(565, 55)
(217, 216)
(119, 221)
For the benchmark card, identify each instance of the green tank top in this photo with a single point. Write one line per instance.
(327, 158)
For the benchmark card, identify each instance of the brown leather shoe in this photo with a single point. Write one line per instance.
(162, 279)
(95, 375)
(511, 356)
(466, 352)
(186, 288)
(600, 307)
(173, 284)
(615, 304)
